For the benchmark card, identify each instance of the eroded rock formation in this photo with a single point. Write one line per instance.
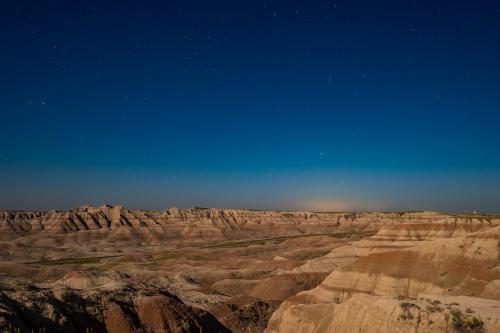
(113, 269)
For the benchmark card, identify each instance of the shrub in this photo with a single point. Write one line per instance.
(434, 308)
(464, 324)
(406, 307)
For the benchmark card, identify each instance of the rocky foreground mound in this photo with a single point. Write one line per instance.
(122, 311)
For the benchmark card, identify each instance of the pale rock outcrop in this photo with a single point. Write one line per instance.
(374, 292)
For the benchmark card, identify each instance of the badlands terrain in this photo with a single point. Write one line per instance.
(113, 269)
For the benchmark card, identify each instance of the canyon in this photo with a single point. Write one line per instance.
(114, 269)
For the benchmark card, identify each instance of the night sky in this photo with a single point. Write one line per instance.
(319, 105)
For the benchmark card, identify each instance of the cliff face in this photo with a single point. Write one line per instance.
(404, 279)
(92, 224)
(154, 226)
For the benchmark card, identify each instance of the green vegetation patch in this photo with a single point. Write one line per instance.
(277, 240)
(181, 255)
(74, 261)
(469, 216)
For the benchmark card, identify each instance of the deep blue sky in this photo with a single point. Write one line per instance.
(324, 105)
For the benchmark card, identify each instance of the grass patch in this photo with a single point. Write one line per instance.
(197, 257)
(73, 261)
(470, 216)
(247, 243)
(181, 255)
(277, 240)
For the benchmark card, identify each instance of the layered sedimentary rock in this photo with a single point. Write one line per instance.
(123, 270)
(118, 224)
(401, 280)
(153, 226)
